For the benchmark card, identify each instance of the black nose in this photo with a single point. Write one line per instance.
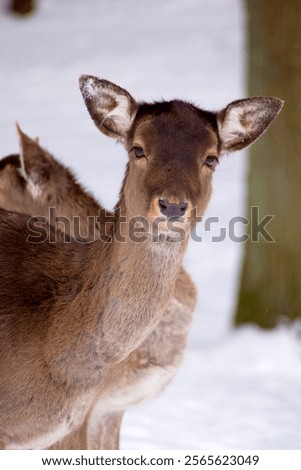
(172, 210)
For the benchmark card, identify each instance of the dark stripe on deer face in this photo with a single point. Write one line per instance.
(168, 173)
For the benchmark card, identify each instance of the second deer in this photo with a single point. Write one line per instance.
(88, 329)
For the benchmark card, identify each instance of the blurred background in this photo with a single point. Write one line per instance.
(239, 387)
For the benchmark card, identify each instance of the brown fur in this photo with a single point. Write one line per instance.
(55, 183)
(83, 326)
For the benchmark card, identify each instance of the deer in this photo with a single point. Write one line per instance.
(33, 182)
(89, 329)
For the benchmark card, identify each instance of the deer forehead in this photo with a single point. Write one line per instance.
(173, 129)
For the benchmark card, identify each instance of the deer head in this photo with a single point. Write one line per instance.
(173, 146)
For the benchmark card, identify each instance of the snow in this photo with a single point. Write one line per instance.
(237, 388)
(241, 392)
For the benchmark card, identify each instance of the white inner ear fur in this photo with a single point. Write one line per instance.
(21, 170)
(231, 126)
(121, 113)
(33, 187)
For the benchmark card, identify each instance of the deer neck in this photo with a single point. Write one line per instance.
(143, 276)
(126, 287)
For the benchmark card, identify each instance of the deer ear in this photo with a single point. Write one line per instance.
(243, 121)
(28, 146)
(30, 152)
(112, 108)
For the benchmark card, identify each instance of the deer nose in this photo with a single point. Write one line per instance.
(172, 210)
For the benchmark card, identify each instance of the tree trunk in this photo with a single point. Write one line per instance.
(270, 289)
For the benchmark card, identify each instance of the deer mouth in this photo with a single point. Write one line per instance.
(172, 230)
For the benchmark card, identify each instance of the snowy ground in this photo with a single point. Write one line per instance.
(237, 389)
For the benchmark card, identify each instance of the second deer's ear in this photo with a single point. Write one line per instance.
(243, 121)
(31, 153)
(112, 108)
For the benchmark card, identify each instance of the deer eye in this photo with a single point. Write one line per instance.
(139, 152)
(211, 161)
